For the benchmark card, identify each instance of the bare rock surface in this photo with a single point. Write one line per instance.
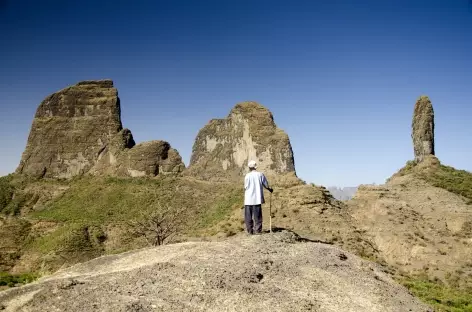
(145, 159)
(224, 146)
(423, 128)
(152, 158)
(271, 272)
(78, 130)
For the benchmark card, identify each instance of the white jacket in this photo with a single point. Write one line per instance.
(254, 182)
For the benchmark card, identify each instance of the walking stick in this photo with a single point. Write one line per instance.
(270, 213)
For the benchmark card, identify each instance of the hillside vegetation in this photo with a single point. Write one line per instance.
(439, 175)
(442, 297)
(64, 222)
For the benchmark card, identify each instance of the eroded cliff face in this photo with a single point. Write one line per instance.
(70, 128)
(224, 146)
(78, 130)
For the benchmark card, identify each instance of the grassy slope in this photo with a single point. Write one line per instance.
(93, 210)
(442, 297)
(104, 201)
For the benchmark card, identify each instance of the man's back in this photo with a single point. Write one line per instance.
(254, 182)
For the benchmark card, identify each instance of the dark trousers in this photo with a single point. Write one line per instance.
(250, 212)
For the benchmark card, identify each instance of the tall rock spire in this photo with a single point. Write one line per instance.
(423, 128)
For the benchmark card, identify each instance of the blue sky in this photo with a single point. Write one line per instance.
(341, 77)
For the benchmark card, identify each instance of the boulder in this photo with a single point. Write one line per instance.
(150, 159)
(224, 146)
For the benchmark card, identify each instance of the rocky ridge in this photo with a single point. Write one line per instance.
(277, 272)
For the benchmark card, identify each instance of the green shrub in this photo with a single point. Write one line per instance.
(6, 192)
(11, 280)
(13, 196)
(18, 201)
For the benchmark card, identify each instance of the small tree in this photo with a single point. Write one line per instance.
(159, 225)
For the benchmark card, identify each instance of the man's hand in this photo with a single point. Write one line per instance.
(270, 189)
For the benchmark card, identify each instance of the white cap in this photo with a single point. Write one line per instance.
(252, 164)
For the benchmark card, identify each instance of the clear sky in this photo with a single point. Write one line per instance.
(341, 77)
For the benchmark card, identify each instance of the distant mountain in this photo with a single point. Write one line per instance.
(342, 193)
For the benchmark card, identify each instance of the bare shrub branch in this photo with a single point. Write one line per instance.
(158, 226)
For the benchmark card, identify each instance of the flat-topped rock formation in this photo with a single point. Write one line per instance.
(78, 130)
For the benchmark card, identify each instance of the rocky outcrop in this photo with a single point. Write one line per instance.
(144, 159)
(285, 273)
(224, 146)
(70, 128)
(423, 128)
(78, 130)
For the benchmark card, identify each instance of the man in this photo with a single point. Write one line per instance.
(254, 182)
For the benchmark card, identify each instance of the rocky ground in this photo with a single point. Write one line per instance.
(269, 272)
